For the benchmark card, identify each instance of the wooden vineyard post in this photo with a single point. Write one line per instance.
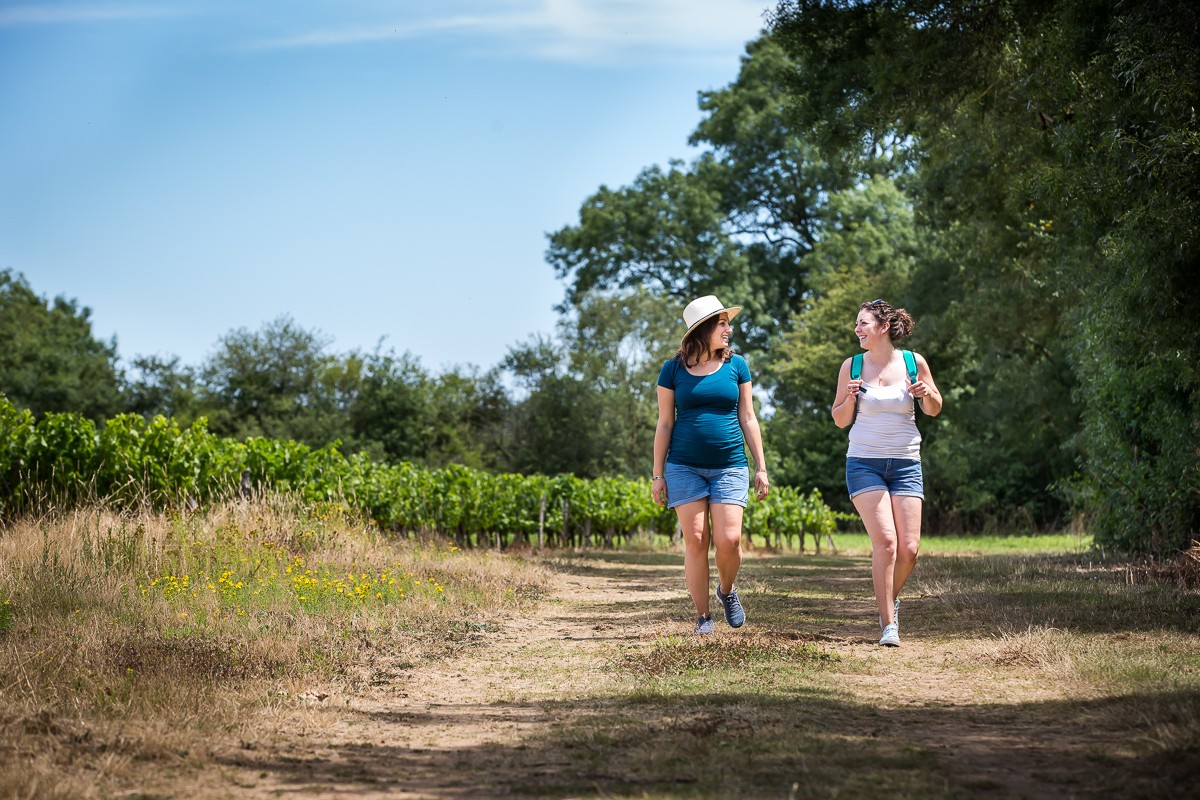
(566, 510)
(542, 525)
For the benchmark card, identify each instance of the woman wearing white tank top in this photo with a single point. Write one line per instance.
(883, 460)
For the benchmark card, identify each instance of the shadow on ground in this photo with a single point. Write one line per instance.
(808, 745)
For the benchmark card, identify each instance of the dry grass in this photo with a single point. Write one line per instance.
(132, 636)
(679, 655)
(1047, 649)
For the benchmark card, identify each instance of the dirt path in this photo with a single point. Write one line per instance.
(513, 715)
(449, 729)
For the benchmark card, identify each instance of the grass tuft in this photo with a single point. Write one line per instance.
(679, 655)
(1039, 647)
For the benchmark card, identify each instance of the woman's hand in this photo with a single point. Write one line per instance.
(761, 484)
(658, 491)
(854, 387)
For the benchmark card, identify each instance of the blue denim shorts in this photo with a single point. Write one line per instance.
(897, 476)
(724, 485)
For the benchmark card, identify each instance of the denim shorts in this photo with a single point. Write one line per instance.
(898, 476)
(723, 485)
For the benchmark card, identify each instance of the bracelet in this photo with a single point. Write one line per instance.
(656, 478)
(758, 471)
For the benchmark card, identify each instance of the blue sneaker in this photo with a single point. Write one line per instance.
(704, 625)
(891, 636)
(735, 615)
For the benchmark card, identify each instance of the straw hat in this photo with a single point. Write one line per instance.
(702, 308)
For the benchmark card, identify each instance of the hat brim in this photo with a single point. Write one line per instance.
(732, 311)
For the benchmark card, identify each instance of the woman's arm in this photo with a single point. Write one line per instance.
(662, 442)
(842, 410)
(748, 420)
(925, 390)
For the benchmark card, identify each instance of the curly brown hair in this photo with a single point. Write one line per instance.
(899, 322)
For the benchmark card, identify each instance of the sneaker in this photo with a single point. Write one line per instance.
(891, 636)
(895, 615)
(735, 615)
(704, 625)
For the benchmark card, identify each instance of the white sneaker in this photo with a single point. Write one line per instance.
(895, 615)
(891, 636)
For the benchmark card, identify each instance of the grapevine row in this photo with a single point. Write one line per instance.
(63, 460)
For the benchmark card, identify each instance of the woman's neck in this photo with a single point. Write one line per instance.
(881, 354)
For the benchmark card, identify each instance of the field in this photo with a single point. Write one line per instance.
(275, 647)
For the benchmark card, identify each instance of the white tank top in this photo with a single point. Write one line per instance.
(886, 425)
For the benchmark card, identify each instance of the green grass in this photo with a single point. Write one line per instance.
(1016, 544)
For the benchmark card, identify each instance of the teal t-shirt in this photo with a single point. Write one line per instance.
(706, 433)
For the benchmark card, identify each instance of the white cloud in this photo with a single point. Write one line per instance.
(338, 36)
(568, 30)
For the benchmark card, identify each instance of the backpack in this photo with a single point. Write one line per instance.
(856, 362)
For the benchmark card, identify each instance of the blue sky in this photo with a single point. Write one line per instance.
(372, 169)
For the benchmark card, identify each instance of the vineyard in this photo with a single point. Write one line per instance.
(63, 460)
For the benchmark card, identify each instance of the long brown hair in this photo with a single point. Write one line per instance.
(695, 344)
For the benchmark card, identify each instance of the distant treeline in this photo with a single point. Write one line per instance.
(1020, 175)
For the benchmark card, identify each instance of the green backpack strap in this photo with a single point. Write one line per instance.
(910, 363)
(855, 374)
(856, 366)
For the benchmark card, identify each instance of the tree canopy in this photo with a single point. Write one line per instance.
(51, 361)
(1059, 159)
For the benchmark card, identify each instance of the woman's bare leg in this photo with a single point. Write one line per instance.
(693, 521)
(906, 511)
(727, 540)
(875, 508)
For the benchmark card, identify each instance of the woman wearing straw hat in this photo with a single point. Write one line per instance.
(705, 419)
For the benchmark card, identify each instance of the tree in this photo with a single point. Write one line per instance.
(777, 186)
(1059, 160)
(278, 382)
(739, 222)
(589, 404)
(616, 344)
(390, 416)
(468, 409)
(665, 232)
(50, 361)
(161, 386)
